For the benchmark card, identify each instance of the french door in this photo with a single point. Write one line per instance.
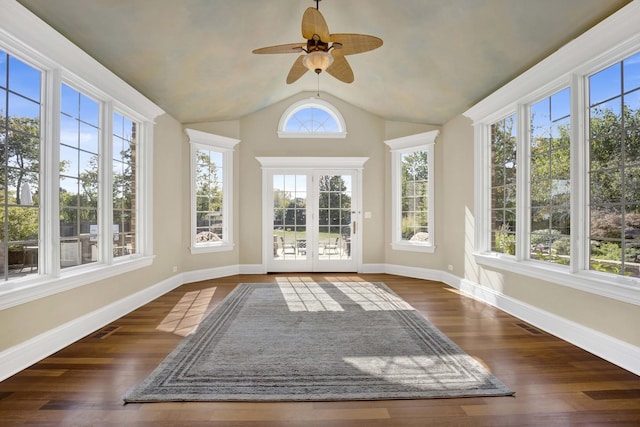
(311, 219)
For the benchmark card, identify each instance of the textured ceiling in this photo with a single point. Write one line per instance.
(193, 57)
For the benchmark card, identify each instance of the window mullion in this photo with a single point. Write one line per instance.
(579, 178)
(523, 199)
(396, 195)
(105, 185)
(49, 245)
(227, 205)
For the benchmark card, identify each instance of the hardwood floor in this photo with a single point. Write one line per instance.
(555, 382)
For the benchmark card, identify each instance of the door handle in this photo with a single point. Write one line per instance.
(353, 227)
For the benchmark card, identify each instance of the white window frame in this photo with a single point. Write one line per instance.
(26, 37)
(203, 140)
(312, 103)
(608, 42)
(399, 146)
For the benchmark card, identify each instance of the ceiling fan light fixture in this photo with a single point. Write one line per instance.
(317, 61)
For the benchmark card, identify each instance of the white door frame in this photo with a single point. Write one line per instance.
(307, 165)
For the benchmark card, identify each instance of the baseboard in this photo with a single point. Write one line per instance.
(25, 354)
(210, 273)
(414, 272)
(616, 351)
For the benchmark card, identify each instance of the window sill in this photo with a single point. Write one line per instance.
(221, 247)
(413, 247)
(619, 288)
(18, 292)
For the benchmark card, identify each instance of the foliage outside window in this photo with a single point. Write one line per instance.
(20, 167)
(412, 192)
(614, 169)
(503, 186)
(415, 196)
(79, 198)
(212, 190)
(550, 179)
(124, 163)
(334, 207)
(570, 212)
(290, 215)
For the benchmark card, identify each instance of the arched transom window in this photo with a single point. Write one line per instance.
(312, 118)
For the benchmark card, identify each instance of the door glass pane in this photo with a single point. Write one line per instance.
(334, 217)
(289, 217)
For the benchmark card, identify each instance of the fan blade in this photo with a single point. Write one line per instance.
(340, 69)
(283, 48)
(297, 70)
(355, 43)
(313, 23)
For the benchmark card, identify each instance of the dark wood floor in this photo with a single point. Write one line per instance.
(555, 382)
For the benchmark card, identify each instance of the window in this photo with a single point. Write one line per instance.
(312, 118)
(211, 191)
(614, 168)
(79, 151)
(74, 153)
(124, 185)
(557, 173)
(20, 167)
(503, 186)
(550, 179)
(412, 192)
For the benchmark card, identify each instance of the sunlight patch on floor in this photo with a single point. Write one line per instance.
(304, 294)
(372, 298)
(307, 296)
(186, 315)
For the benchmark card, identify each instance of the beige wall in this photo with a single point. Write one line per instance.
(454, 195)
(26, 321)
(365, 136)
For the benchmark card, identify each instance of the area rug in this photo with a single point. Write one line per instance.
(311, 341)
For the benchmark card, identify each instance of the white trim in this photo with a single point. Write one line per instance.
(21, 356)
(409, 144)
(596, 283)
(145, 198)
(407, 245)
(221, 144)
(312, 162)
(18, 292)
(412, 142)
(312, 103)
(310, 167)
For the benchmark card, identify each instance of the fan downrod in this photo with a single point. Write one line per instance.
(317, 1)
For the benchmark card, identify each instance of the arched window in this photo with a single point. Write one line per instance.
(312, 118)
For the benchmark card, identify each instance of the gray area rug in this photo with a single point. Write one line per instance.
(315, 341)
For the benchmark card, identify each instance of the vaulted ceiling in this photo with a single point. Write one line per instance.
(193, 57)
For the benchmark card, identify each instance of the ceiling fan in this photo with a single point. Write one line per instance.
(323, 51)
